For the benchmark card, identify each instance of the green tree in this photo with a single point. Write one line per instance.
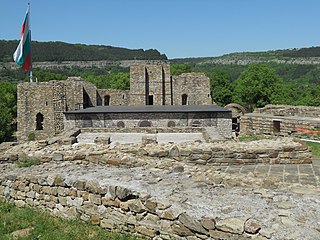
(177, 69)
(257, 86)
(8, 109)
(221, 87)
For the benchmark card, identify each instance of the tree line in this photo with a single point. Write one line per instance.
(251, 86)
(60, 51)
(256, 85)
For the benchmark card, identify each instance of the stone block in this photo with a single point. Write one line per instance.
(149, 140)
(146, 231)
(231, 225)
(57, 157)
(93, 187)
(122, 193)
(102, 140)
(67, 141)
(181, 230)
(192, 224)
(95, 199)
(252, 226)
(208, 223)
(136, 206)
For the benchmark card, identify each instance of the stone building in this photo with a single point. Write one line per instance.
(280, 120)
(164, 116)
(43, 107)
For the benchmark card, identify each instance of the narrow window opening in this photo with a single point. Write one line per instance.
(184, 99)
(39, 120)
(107, 100)
(150, 100)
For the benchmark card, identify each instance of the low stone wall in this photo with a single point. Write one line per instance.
(287, 110)
(278, 151)
(114, 206)
(282, 151)
(164, 204)
(263, 124)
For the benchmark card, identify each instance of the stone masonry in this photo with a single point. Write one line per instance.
(280, 120)
(41, 106)
(166, 191)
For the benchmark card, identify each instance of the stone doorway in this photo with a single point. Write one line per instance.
(39, 121)
(150, 100)
(276, 126)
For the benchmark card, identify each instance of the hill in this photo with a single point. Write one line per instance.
(291, 56)
(60, 51)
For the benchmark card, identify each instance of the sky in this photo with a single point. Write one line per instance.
(177, 28)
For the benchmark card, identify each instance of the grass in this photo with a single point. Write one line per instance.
(28, 162)
(46, 227)
(315, 147)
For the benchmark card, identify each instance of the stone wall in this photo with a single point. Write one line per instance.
(115, 206)
(150, 85)
(150, 80)
(286, 110)
(51, 100)
(261, 124)
(114, 97)
(34, 98)
(221, 122)
(280, 120)
(164, 198)
(195, 86)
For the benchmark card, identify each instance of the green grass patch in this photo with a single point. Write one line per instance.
(315, 147)
(43, 226)
(28, 162)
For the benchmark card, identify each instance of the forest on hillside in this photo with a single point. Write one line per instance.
(60, 51)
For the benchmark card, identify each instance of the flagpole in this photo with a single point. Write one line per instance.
(31, 80)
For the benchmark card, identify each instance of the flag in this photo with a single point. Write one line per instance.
(22, 55)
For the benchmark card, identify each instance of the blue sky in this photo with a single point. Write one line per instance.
(178, 28)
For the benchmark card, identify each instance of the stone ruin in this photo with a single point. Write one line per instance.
(41, 106)
(281, 120)
(160, 189)
(163, 190)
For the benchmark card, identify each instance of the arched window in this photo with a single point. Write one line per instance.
(107, 100)
(145, 123)
(39, 120)
(184, 99)
(196, 123)
(120, 124)
(171, 124)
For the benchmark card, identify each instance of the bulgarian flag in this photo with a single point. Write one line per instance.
(22, 55)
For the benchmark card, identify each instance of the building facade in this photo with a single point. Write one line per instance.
(42, 106)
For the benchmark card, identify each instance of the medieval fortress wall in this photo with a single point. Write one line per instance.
(280, 120)
(41, 106)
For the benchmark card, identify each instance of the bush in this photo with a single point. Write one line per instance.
(31, 136)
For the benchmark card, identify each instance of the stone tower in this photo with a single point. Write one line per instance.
(150, 85)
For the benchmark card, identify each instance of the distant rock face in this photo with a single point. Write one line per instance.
(85, 64)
